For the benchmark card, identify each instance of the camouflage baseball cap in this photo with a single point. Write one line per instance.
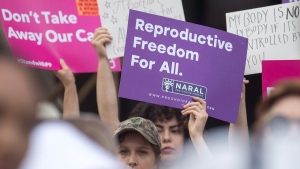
(143, 126)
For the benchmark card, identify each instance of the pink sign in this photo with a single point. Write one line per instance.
(274, 71)
(41, 32)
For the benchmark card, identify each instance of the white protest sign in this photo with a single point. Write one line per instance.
(114, 16)
(273, 33)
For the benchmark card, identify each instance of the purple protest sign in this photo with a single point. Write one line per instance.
(168, 61)
(287, 1)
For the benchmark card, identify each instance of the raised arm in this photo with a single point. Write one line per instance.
(70, 105)
(196, 125)
(238, 133)
(106, 91)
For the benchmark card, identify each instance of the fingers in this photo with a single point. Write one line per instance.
(245, 81)
(99, 29)
(196, 115)
(64, 69)
(101, 33)
(192, 108)
(202, 102)
(101, 41)
(197, 108)
(63, 64)
(193, 104)
(198, 102)
(101, 36)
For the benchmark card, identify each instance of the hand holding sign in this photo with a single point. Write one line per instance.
(245, 81)
(65, 75)
(100, 38)
(71, 104)
(198, 116)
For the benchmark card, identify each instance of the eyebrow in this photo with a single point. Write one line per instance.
(178, 125)
(174, 126)
(122, 147)
(144, 148)
(138, 147)
(159, 126)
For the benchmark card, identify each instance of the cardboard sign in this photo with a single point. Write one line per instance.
(39, 33)
(168, 61)
(287, 1)
(114, 16)
(274, 71)
(273, 33)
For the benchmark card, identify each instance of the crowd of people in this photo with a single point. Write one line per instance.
(153, 136)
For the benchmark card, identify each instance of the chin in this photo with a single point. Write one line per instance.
(166, 158)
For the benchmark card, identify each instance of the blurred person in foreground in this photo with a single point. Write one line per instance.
(277, 129)
(19, 94)
(71, 144)
(279, 113)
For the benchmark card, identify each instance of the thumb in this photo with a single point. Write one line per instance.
(63, 64)
(245, 81)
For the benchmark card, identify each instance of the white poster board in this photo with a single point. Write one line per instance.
(114, 16)
(273, 33)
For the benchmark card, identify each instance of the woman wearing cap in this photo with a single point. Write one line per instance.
(19, 95)
(139, 143)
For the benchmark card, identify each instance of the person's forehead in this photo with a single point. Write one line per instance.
(172, 122)
(288, 107)
(135, 139)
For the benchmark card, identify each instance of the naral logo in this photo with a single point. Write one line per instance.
(184, 88)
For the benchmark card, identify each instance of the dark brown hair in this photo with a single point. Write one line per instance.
(282, 90)
(160, 113)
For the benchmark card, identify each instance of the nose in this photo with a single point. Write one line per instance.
(166, 137)
(132, 161)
